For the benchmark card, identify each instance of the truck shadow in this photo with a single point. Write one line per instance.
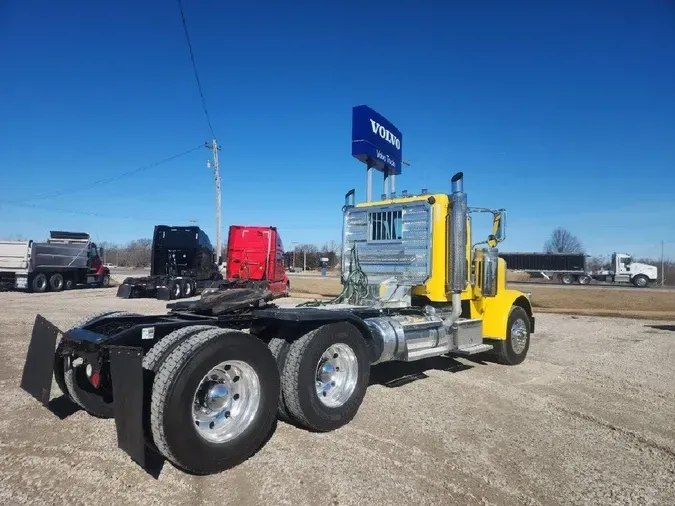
(63, 407)
(396, 374)
(671, 328)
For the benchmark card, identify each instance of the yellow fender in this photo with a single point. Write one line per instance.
(497, 310)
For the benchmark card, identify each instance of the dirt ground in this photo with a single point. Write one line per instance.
(588, 300)
(588, 418)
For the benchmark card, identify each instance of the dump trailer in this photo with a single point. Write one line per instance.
(182, 264)
(571, 268)
(65, 260)
(202, 385)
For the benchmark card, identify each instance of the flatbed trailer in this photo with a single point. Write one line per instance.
(202, 385)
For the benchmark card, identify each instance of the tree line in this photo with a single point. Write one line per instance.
(137, 253)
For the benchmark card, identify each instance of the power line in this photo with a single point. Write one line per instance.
(106, 180)
(78, 212)
(194, 67)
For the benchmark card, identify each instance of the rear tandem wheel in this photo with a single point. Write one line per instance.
(214, 400)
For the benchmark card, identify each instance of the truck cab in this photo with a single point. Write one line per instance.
(627, 271)
(257, 253)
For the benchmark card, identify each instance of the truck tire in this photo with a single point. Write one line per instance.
(175, 291)
(95, 401)
(325, 376)
(56, 282)
(279, 348)
(566, 279)
(584, 279)
(514, 349)
(105, 281)
(39, 283)
(156, 355)
(188, 288)
(640, 281)
(68, 284)
(214, 400)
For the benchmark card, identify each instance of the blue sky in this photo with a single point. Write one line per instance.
(561, 112)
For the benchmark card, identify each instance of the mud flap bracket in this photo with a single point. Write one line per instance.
(124, 291)
(38, 369)
(126, 371)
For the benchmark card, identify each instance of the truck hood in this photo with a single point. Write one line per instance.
(646, 269)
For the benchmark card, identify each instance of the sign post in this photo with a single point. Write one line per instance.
(377, 143)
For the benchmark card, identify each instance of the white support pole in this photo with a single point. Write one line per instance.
(216, 173)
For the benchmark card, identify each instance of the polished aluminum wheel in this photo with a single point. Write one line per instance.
(226, 401)
(336, 375)
(518, 336)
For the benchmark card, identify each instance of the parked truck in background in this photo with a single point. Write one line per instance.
(65, 260)
(183, 263)
(571, 268)
(257, 254)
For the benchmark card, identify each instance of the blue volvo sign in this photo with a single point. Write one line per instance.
(375, 141)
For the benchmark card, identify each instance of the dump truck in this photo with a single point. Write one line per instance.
(571, 268)
(203, 384)
(65, 260)
(183, 263)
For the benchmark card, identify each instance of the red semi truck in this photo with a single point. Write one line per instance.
(257, 253)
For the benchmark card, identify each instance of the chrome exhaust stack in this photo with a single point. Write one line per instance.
(457, 245)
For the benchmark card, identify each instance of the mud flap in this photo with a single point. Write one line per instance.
(126, 371)
(124, 291)
(163, 293)
(39, 366)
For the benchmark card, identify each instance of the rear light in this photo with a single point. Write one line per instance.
(95, 379)
(94, 376)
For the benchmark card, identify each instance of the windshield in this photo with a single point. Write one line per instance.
(178, 238)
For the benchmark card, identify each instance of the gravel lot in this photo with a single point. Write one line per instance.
(589, 418)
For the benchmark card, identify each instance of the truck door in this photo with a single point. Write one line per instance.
(95, 263)
(279, 272)
(622, 269)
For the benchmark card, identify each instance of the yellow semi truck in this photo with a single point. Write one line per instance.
(203, 384)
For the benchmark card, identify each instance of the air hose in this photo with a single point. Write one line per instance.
(355, 288)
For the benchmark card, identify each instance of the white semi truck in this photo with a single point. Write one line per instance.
(571, 267)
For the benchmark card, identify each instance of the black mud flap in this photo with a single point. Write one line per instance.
(126, 371)
(124, 291)
(39, 366)
(163, 293)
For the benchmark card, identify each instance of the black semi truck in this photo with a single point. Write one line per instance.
(182, 264)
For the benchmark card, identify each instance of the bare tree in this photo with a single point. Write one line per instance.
(562, 241)
(597, 263)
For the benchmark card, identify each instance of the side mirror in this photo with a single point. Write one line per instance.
(498, 228)
(492, 241)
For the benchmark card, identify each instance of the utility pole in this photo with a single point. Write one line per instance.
(304, 261)
(216, 174)
(663, 272)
